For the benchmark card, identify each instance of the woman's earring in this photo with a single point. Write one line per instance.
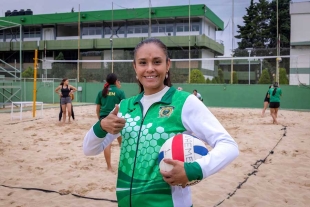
(166, 75)
(137, 77)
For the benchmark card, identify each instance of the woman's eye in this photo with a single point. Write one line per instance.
(142, 63)
(157, 62)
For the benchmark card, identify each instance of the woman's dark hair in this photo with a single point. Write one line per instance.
(63, 81)
(275, 85)
(161, 45)
(110, 80)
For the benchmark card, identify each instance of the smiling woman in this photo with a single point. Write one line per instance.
(152, 66)
(145, 122)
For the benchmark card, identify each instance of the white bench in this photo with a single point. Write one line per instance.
(24, 104)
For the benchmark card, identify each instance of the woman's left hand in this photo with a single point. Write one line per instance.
(177, 176)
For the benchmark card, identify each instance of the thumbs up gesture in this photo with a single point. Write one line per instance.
(112, 123)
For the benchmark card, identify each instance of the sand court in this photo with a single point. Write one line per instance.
(40, 154)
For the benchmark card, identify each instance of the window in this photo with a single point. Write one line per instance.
(131, 30)
(154, 29)
(92, 29)
(179, 28)
(121, 30)
(186, 28)
(161, 29)
(195, 27)
(32, 32)
(145, 29)
(11, 34)
(137, 30)
(107, 30)
(1, 34)
(169, 28)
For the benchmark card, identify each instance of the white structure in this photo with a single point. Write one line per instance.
(300, 43)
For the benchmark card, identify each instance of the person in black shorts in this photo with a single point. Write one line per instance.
(274, 94)
(65, 100)
(266, 102)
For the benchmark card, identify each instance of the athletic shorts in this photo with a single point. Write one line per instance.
(274, 105)
(65, 100)
(267, 99)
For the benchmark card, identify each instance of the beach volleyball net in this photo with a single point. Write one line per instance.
(93, 66)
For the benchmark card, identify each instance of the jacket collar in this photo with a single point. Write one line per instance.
(166, 99)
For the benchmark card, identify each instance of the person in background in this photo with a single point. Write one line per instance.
(198, 95)
(274, 94)
(180, 88)
(145, 122)
(266, 102)
(106, 100)
(65, 90)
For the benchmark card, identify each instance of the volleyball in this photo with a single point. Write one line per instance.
(182, 147)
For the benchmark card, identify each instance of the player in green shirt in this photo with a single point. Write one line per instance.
(106, 100)
(274, 104)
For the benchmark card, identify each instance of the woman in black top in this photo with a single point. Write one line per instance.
(65, 93)
(266, 102)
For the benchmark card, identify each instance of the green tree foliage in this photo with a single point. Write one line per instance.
(197, 76)
(208, 81)
(283, 77)
(265, 77)
(235, 77)
(62, 70)
(220, 76)
(28, 73)
(247, 32)
(284, 23)
(214, 80)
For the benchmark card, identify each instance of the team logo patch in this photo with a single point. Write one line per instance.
(165, 111)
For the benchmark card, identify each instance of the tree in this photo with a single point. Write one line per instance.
(264, 78)
(283, 77)
(208, 81)
(28, 73)
(197, 76)
(235, 77)
(284, 23)
(247, 32)
(220, 76)
(214, 81)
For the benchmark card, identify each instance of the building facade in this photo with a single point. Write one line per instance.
(300, 43)
(99, 35)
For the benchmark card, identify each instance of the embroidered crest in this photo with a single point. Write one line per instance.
(165, 111)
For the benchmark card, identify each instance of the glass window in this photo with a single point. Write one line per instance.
(107, 30)
(154, 29)
(131, 30)
(179, 28)
(145, 29)
(121, 30)
(169, 28)
(195, 27)
(161, 29)
(186, 28)
(137, 30)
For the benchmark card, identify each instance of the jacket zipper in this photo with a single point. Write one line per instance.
(134, 164)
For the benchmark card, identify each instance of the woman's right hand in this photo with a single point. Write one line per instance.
(112, 123)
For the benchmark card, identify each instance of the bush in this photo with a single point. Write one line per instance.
(197, 76)
(264, 78)
(283, 77)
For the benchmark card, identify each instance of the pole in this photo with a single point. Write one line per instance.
(261, 67)
(189, 41)
(78, 63)
(232, 46)
(149, 18)
(112, 40)
(249, 68)
(35, 83)
(277, 60)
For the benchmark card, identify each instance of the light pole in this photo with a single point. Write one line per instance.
(111, 41)
(249, 51)
(261, 66)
